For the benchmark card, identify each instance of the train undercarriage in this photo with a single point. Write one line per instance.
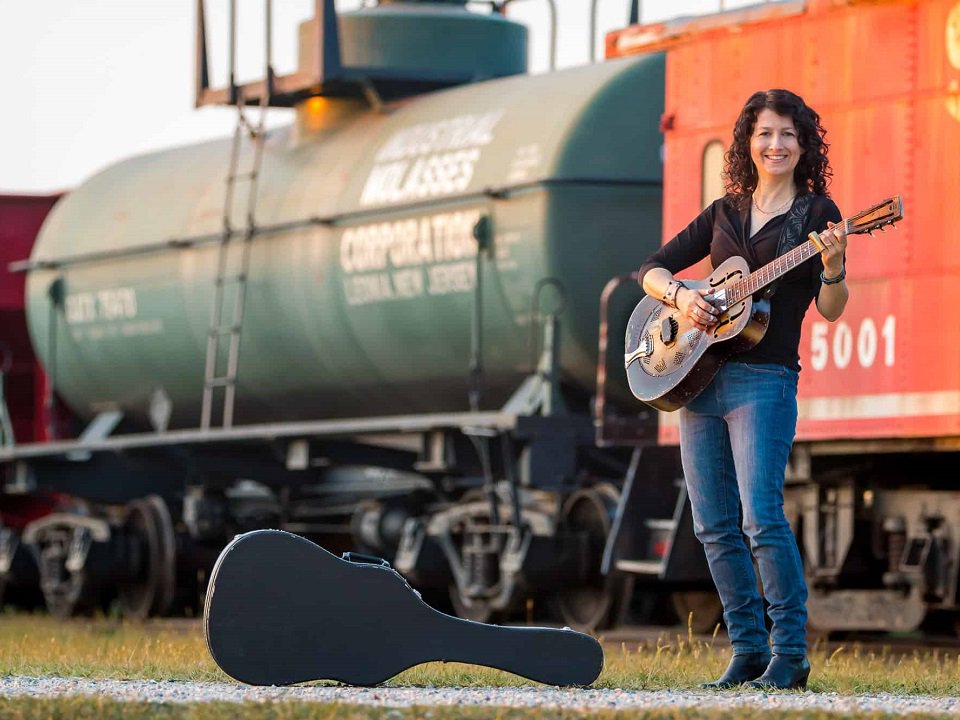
(488, 542)
(505, 517)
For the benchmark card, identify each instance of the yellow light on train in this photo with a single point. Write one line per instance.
(316, 105)
(316, 113)
(311, 117)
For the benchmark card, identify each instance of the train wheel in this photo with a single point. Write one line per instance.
(167, 570)
(150, 591)
(704, 604)
(8, 548)
(592, 605)
(66, 586)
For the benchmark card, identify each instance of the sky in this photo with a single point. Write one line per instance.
(88, 82)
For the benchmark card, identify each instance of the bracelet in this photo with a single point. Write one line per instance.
(833, 281)
(670, 294)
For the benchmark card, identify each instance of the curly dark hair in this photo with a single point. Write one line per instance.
(812, 173)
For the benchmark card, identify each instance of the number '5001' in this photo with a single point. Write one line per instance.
(869, 344)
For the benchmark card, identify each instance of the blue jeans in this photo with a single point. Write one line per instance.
(735, 439)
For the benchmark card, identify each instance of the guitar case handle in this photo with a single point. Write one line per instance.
(364, 559)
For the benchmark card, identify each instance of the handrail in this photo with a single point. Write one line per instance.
(502, 192)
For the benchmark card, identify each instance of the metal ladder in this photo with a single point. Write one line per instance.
(217, 377)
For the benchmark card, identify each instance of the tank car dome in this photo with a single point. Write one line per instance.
(441, 38)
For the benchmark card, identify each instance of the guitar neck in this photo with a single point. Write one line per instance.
(774, 269)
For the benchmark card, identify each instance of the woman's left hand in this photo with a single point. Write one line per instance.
(836, 246)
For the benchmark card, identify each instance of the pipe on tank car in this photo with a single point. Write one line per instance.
(552, 8)
(6, 424)
(593, 29)
(635, 13)
(57, 296)
(482, 233)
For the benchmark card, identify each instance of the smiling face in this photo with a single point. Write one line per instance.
(774, 146)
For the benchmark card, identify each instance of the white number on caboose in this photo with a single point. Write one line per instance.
(865, 346)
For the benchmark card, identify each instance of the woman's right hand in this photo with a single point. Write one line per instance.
(695, 306)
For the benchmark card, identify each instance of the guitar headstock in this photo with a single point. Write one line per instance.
(876, 217)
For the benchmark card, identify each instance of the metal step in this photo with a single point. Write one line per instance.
(224, 381)
(238, 278)
(640, 567)
(660, 523)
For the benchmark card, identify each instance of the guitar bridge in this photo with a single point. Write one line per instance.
(644, 349)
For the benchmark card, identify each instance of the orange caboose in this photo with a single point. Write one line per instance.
(885, 77)
(872, 490)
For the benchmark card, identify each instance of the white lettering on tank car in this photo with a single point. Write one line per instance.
(108, 314)
(525, 162)
(456, 133)
(117, 304)
(364, 289)
(432, 176)
(81, 308)
(453, 278)
(429, 160)
(108, 304)
(387, 261)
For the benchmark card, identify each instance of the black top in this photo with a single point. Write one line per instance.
(721, 231)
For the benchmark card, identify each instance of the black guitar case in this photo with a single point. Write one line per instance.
(282, 610)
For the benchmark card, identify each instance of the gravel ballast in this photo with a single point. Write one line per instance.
(533, 697)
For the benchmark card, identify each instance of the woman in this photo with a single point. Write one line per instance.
(735, 437)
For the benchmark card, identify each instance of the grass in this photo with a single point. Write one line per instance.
(101, 709)
(35, 645)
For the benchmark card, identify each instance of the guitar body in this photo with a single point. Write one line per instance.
(669, 360)
(282, 610)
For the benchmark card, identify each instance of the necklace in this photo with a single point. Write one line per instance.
(772, 212)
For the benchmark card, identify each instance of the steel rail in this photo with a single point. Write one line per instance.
(266, 432)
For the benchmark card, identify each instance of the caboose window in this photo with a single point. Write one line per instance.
(711, 186)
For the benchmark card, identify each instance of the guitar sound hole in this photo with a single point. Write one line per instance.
(678, 358)
(660, 366)
(693, 339)
(646, 360)
(656, 312)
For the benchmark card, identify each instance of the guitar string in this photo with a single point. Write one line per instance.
(775, 268)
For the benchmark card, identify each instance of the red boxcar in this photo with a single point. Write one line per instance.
(886, 79)
(20, 220)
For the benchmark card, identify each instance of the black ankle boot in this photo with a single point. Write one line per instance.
(742, 667)
(785, 672)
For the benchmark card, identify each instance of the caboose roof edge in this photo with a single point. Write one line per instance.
(657, 36)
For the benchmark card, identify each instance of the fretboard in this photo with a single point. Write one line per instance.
(779, 266)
